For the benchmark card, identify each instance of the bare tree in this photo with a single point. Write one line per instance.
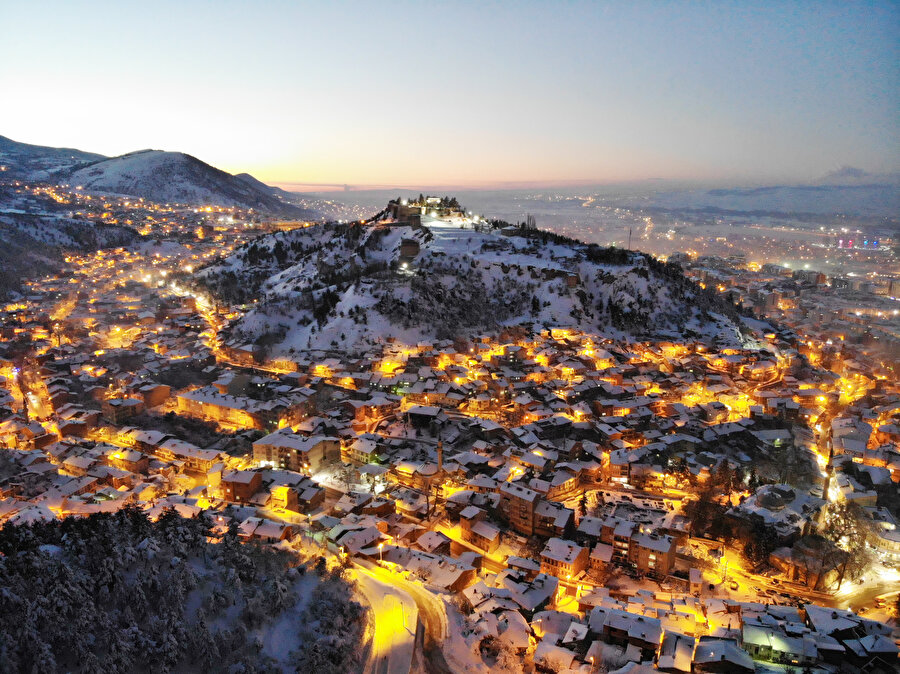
(848, 527)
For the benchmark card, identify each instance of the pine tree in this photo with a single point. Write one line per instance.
(204, 648)
(753, 480)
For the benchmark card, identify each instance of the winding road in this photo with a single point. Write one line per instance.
(395, 620)
(430, 609)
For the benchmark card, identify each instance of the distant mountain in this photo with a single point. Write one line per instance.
(36, 162)
(260, 185)
(849, 176)
(845, 173)
(348, 286)
(847, 191)
(175, 177)
(168, 177)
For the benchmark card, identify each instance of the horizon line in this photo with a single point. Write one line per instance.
(493, 185)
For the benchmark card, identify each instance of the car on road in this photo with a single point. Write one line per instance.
(734, 586)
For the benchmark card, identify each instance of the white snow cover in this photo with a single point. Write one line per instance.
(461, 282)
(170, 177)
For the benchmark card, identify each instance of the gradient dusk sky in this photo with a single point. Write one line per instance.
(463, 93)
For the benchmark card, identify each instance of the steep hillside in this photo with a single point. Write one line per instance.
(35, 232)
(175, 177)
(348, 286)
(36, 162)
(120, 593)
(254, 183)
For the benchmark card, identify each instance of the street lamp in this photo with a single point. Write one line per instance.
(381, 552)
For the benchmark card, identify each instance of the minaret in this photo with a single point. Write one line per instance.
(829, 473)
(826, 485)
(440, 454)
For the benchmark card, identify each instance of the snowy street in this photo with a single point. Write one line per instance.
(394, 618)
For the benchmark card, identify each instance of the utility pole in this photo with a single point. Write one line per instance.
(629, 238)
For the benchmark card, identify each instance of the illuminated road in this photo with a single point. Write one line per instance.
(394, 620)
(879, 580)
(431, 611)
(35, 392)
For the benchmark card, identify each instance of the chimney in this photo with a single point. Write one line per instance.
(440, 455)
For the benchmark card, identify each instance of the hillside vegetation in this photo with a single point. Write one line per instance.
(34, 235)
(120, 593)
(351, 285)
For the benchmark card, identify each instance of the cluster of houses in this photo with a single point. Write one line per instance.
(519, 471)
(668, 632)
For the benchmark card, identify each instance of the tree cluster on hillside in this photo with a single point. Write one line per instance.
(255, 263)
(848, 527)
(457, 308)
(707, 511)
(302, 277)
(120, 593)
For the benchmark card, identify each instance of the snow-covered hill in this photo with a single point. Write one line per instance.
(21, 161)
(130, 594)
(34, 233)
(167, 177)
(348, 286)
(175, 177)
(260, 185)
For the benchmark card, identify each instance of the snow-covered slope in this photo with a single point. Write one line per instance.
(36, 162)
(261, 186)
(168, 177)
(347, 286)
(35, 231)
(174, 177)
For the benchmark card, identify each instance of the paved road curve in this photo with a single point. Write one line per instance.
(394, 618)
(431, 611)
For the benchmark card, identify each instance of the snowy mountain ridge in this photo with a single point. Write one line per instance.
(175, 177)
(155, 175)
(22, 161)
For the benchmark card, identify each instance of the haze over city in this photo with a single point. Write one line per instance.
(465, 94)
